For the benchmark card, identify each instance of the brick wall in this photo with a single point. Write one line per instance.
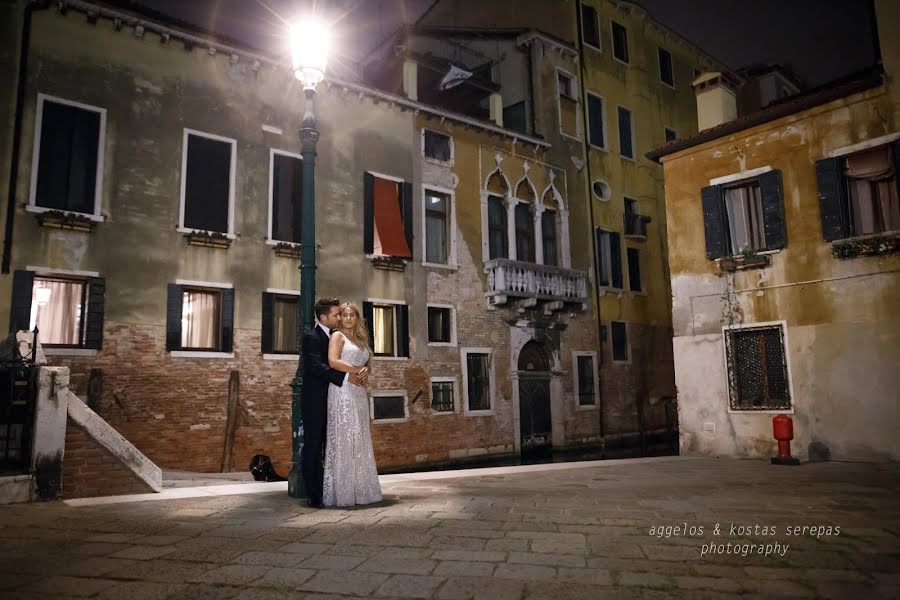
(90, 470)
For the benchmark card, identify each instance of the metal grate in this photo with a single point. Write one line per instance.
(18, 392)
(442, 396)
(757, 369)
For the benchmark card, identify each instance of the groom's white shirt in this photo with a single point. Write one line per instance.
(328, 333)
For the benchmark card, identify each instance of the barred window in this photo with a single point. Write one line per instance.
(757, 369)
(442, 396)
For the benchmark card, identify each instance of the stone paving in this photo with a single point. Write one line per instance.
(553, 531)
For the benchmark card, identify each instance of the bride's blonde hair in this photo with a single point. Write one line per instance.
(360, 333)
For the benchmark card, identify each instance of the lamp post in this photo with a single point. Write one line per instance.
(309, 50)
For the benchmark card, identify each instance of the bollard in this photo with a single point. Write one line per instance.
(783, 430)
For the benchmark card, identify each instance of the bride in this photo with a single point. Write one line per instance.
(350, 474)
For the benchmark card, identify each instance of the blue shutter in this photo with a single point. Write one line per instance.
(772, 194)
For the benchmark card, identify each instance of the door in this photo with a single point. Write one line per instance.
(534, 411)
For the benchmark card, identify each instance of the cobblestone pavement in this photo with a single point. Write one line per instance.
(554, 531)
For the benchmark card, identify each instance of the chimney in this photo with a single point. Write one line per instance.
(716, 98)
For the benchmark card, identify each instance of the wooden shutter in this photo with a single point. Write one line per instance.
(369, 318)
(772, 193)
(895, 153)
(268, 322)
(598, 240)
(226, 343)
(406, 211)
(206, 189)
(832, 198)
(93, 333)
(615, 260)
(402, 330)
(20, 311)
(634, 269)
(173, 317)
(368, 213)
(713, 221)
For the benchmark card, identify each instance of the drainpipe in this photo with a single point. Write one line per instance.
(587, 164)
(17, 129)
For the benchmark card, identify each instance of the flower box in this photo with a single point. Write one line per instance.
(744, 262)
(868, 246)
(286, 250)
(65, 220)
(389, 263)
(208, 239)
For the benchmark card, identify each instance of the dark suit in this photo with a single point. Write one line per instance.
(314, 407)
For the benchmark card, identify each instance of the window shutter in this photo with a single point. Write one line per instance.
(615, 260)
(406, 210)
(772, 193)
(20, 311)
(832, 198)
(895, 153)
(268, 317)
(173, 317)
(369, 318)
(713, 221)
(93, 334)
(598, 240)
(403, 330)
(368, 213)
(227, 331)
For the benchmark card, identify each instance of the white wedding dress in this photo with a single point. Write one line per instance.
(350, 474)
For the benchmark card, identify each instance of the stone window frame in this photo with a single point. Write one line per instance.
(213, 354)
(232, 170)
(394, 304)
(633, 132)
(659, 51)
(492, 380)
(36, 156)
(388, 394)
(612, 37)
(86, 276)
(452, 256)
(445, 163)
(572, 93)
(453, 339)
(446, 379)
(787, 361)
(593, 356)
(598, 47)
(612, 358)
(270, 241)
(603, 120)
(282, 292)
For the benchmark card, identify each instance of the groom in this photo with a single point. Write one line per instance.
(313, 399)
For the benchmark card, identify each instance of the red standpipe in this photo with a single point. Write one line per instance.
(783, 430)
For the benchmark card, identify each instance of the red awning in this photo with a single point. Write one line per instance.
(388, 220)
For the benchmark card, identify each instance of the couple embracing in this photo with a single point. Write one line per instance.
(337, 461)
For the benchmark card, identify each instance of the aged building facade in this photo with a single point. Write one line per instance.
(782, 250)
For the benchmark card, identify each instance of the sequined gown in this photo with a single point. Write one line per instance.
(350, 474)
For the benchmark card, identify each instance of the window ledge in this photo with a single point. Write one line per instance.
(634, 293)
(390, 358)
(763, 411)
(443, 344)
(446, 266)
(479, 413)
(281, 357)
(443, 413)
(870, 245)
(43, 209)
(284, 249)
(389, 421)
(436, 161)
(57, 219)
(389, 263)
(50, 351)
(199, 354)
(584, 407)
(573, 138)
(731, 264)
(209, 239)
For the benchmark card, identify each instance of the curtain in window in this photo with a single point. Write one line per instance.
(873, 192)
(200, 320)
(435, 228)
(745, 222)
(57, 311)
(284, 314)
(383, 326)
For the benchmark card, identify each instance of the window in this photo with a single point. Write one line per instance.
(279, 323)
(387, 216)
(666, 72)
(388, 328)
(597, 121)
(68, 157)
(498, 235)
(199, 317)
(609, 262)
(634, 269)
(586, 379)
(442, 395)
(744, 216)
(590, 27)
(67, 309)
(524, 232)
(389, 406)
(858, 193)
(620, 42)
(207, 183)
(757, 368)
(619, 342)
(671, 134)
(548, 237)
(568, 104)
(437, 227)
(437, 146)
(626, 133)
(440, 324)
(286, 197)
(478, 373)
(635, 224)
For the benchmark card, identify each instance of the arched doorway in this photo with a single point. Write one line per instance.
(534, 398)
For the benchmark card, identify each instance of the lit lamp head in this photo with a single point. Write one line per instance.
(309, 51)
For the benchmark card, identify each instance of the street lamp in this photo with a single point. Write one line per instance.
(309, 50)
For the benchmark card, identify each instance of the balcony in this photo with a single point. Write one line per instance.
(513, 279)
(636, 225)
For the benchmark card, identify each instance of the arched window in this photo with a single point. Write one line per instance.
(524, 232)
(498, 233)
(549, 230)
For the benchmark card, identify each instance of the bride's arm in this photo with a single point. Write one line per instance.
(334, 355)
